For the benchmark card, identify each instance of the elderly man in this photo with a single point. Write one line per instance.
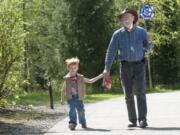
(130, 42)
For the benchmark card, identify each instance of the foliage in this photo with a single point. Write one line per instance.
(38, 35)
(88, 33)
(43, 42)
(165, 59)
(11, 48)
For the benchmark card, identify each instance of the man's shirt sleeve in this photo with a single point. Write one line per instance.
(111, 51)
(146, 45)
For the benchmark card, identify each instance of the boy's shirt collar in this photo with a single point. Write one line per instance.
(69, 76)
(73, 79)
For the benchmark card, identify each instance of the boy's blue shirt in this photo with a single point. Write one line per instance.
(131, 46)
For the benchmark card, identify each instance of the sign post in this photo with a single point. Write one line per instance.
(50, 93)
(147, 12)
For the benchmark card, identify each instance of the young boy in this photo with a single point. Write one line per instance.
(74, 89)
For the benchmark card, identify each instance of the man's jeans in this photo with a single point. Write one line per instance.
(133, 78)
(76, 106)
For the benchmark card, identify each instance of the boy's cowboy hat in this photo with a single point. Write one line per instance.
(131, 11)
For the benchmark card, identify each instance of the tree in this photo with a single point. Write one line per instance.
(165, 58)
(90, 26)
(44, 42)
(11, 48)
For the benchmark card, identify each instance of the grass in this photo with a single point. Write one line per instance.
(91, 98)
(38, 98)
(165, 88)
(42, 98)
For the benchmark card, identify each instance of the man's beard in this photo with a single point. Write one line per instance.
(128, 26)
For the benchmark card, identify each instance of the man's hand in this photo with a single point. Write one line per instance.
(149, 38)
(106, 80)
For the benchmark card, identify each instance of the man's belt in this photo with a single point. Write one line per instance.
(133, 62)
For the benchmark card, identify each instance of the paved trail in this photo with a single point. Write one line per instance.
(110, 118)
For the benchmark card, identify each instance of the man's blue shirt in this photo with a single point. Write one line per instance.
(130, 46)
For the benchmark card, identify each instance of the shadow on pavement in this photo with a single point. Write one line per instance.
(163, 128)
(96, 129)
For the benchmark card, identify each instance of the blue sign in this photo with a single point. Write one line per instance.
(147, 11)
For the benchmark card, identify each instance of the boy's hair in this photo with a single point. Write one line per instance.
(72, 61)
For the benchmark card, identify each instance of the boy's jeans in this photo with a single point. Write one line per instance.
(76, 106)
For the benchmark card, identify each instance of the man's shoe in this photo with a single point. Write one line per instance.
(72, 126)
(132, 125)
(84, 125)
(143, 124)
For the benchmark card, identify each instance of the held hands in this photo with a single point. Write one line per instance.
(106, 80)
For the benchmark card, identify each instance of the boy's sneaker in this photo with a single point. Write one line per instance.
(72, 126)
(84, 125)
